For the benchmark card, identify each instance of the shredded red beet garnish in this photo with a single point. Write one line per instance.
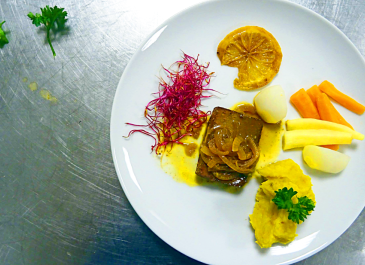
(175, 113)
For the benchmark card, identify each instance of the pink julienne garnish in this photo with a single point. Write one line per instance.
(174, 114)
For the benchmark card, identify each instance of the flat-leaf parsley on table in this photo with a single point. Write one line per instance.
(50, 15)
(3, 39)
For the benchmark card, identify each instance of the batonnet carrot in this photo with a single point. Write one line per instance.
(344, 100)
(303, 103)
(313, 93)
(328, 112)
(333, 147)
(325, 110)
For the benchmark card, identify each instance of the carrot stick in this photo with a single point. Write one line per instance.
(341, 120)
(328, 112)
(303, 103)
(325, 109)
(333, 147)
(313, 93)
(344, 100)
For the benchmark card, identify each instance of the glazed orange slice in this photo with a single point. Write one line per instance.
(256, 54)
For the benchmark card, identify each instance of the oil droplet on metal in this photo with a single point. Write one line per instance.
(33, 86)
(47, 95)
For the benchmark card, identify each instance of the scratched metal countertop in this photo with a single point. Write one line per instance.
(61, 201)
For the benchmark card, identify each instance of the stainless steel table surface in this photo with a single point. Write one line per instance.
(60, 199)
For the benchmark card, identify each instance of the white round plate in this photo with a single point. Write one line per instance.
(211, 225)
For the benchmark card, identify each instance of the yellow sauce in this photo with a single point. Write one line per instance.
(236, 106)
(180, 166)
(44, 93)
(270, 141)
(33, 86)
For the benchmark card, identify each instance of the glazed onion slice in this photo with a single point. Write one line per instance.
(236, 143)
(223, 138)
(225, 176)
(233, 165)
(209, 158)
(213, 161)
(206, 158)
(246, 108)
(240, 166)
(228, 145)
(242, 155)
(255, 153)
(204, 149)
(215, 150)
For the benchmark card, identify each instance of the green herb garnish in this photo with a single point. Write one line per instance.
(3, 39)
(50, 16)
(298, 211)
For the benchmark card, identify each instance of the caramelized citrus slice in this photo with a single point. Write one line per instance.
(256, 54)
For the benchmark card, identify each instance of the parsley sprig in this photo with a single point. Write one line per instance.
(3, 39)
(49, 16)
(297, 211)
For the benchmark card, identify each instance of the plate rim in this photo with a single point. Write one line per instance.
(119, 89)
